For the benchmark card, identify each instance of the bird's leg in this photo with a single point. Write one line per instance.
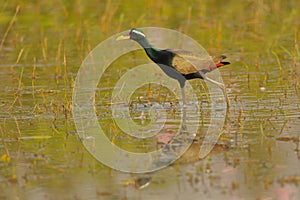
(183, 109)
(183, 97)
(221, 86)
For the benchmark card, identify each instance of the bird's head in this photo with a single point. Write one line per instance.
(133, 34)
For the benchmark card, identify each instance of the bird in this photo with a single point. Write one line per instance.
(179, 64)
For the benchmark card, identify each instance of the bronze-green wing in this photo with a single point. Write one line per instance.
(188, 62)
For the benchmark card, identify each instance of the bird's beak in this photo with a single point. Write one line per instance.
(123, 37)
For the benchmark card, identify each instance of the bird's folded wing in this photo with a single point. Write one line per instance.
(187, 62)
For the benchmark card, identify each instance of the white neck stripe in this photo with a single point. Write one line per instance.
(139, 33)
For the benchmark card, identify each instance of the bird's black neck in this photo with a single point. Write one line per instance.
(153, 53)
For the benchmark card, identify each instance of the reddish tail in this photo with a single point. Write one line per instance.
(218, 63)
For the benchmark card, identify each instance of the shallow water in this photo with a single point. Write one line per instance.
(257, 156)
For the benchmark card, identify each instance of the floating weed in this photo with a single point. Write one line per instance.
(268, 183)
(5, 158)
(288, 139)
(289, 180)
(234, 185)
(138, 182)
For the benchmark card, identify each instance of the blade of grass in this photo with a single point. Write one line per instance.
(11, 23)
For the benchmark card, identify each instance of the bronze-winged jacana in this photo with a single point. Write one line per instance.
(179, 64)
